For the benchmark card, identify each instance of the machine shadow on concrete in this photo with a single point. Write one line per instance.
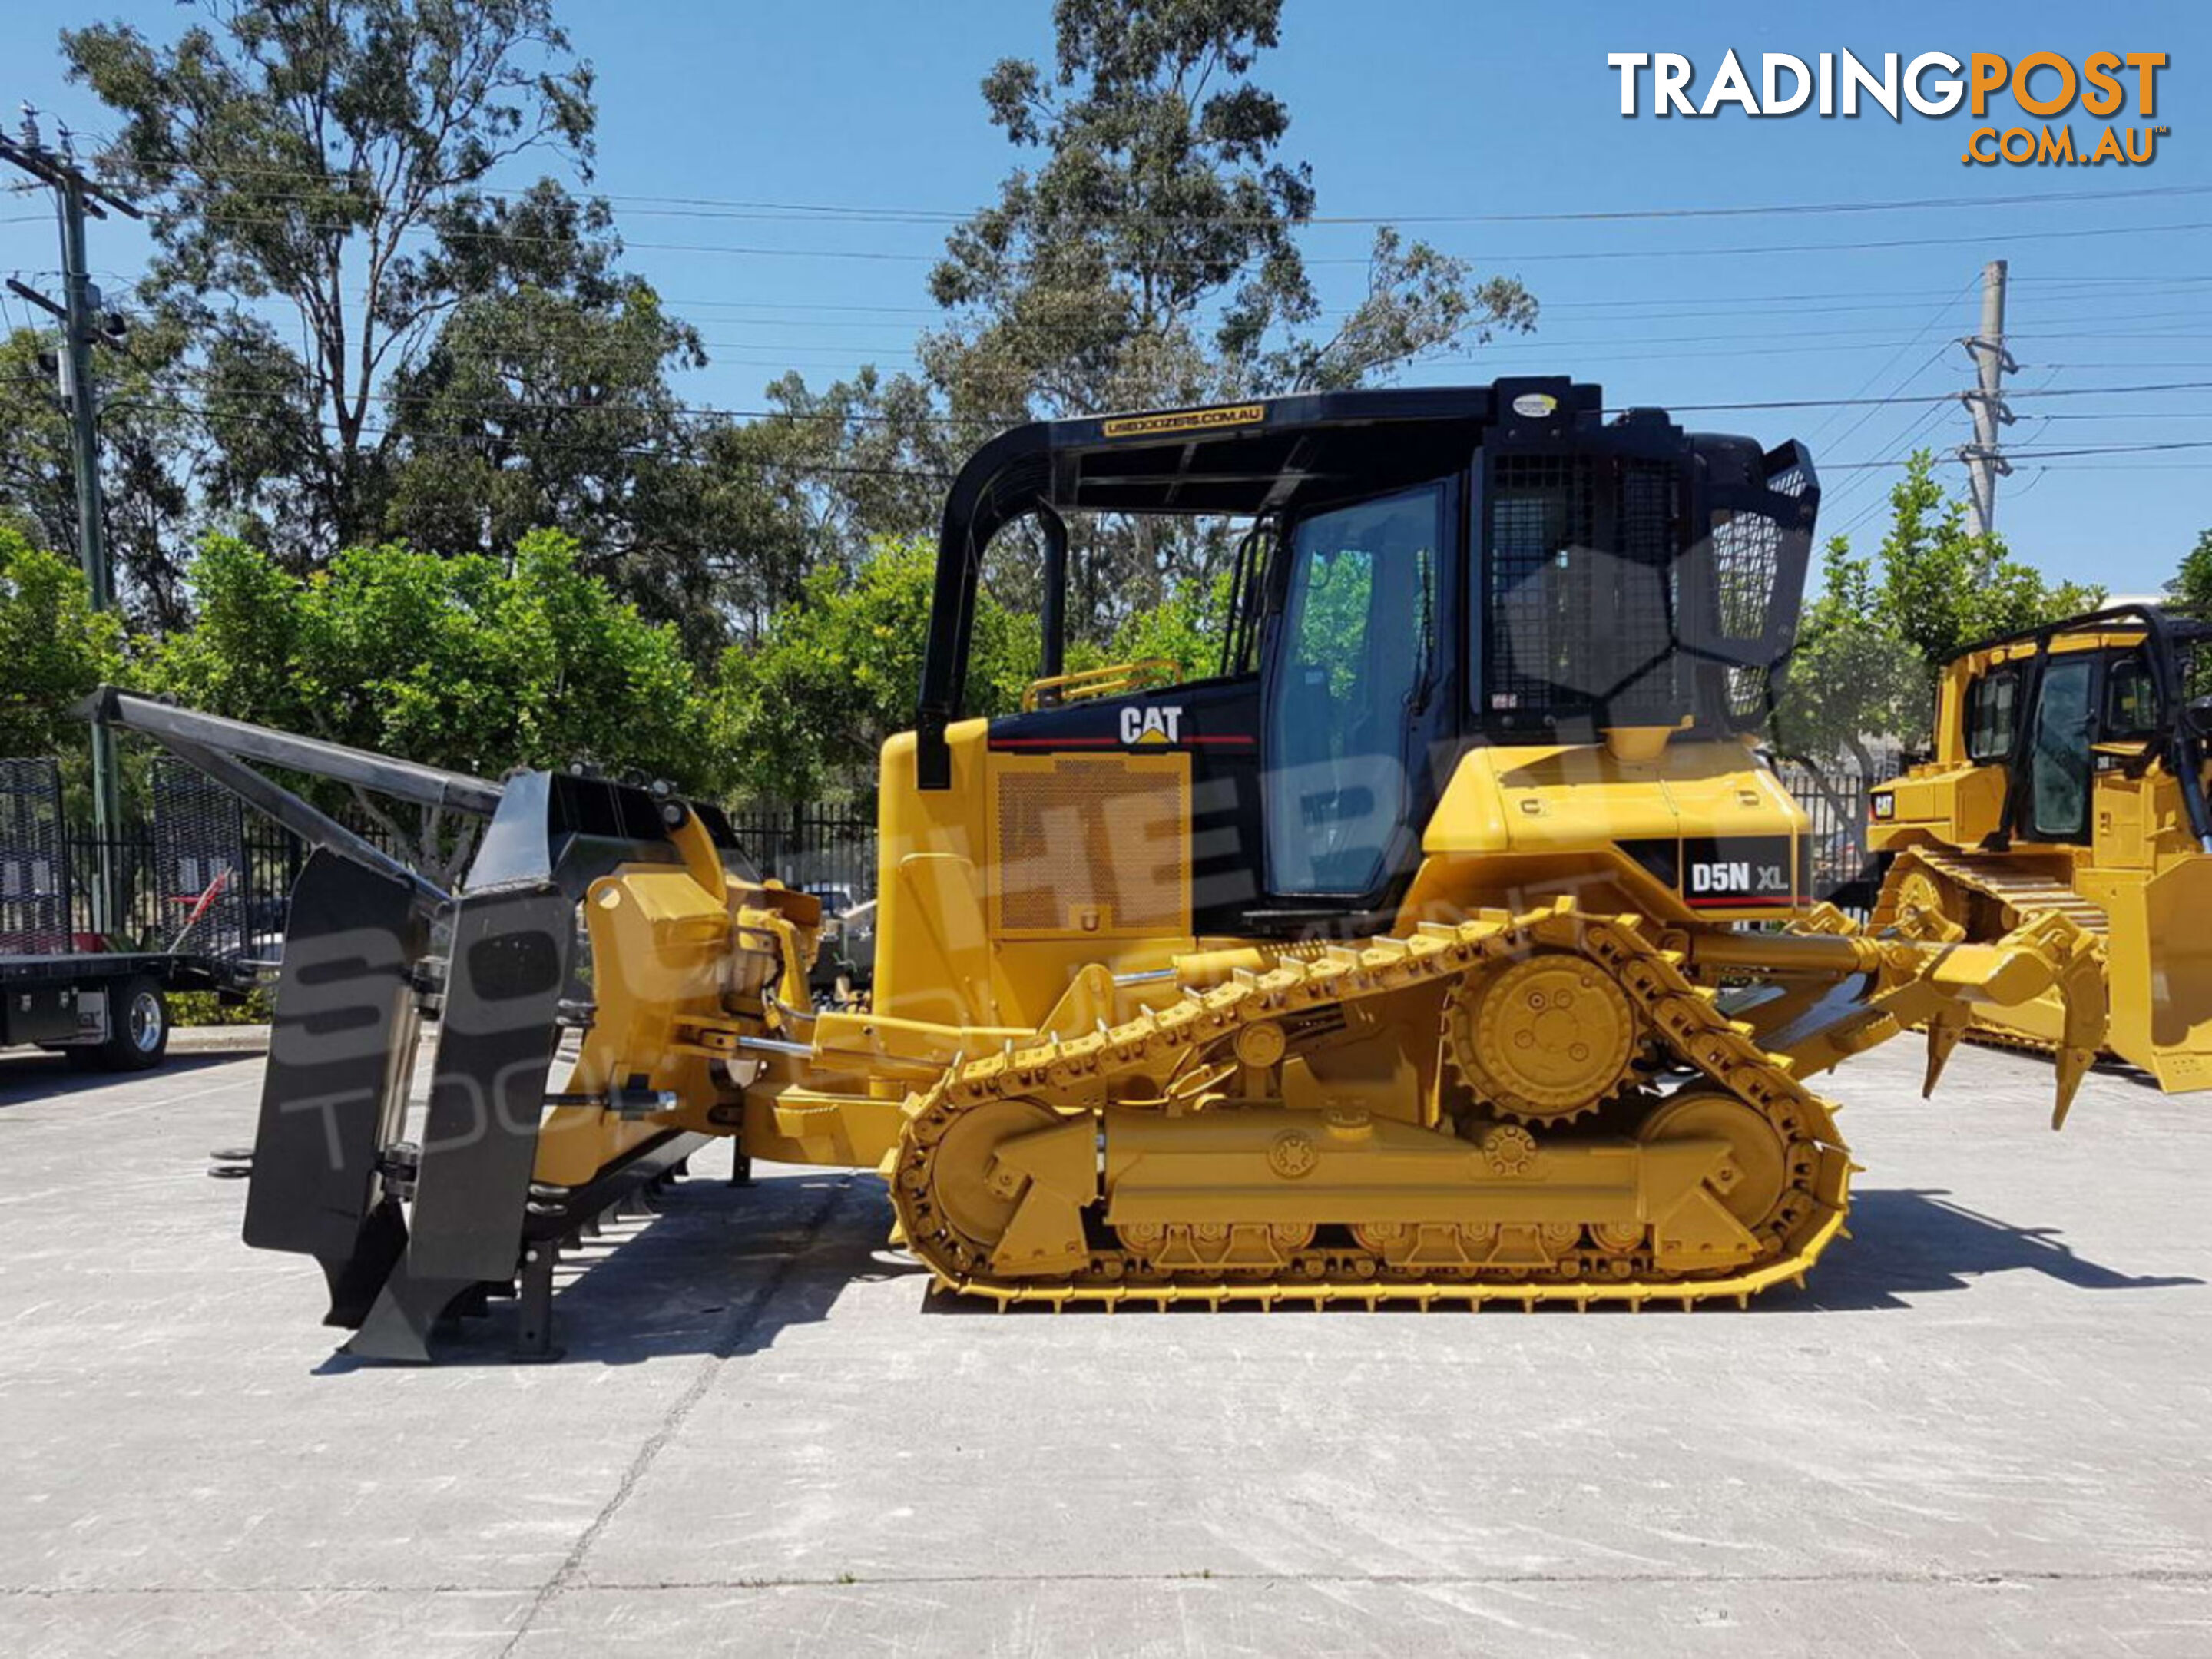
(724, 1271)
(717, 1270)
(25, 1079)
(1911, 1241)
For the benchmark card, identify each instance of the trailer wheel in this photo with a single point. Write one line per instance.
(137, 1029)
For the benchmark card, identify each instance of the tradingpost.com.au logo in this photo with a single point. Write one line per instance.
(2042, 85)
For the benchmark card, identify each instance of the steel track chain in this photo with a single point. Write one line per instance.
(2022, 896)
(1156, 1042)
(2026, 893)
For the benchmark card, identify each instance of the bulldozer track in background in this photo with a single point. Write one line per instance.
(1808, 1213)
(2025, 894)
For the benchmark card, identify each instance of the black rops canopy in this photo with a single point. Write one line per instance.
(1263, 456)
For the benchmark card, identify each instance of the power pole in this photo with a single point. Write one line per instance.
(1985, 456)
(76, 197)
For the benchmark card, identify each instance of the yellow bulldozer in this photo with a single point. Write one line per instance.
(2068, 778)
(1450, 943)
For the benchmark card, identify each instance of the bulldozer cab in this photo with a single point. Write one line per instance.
(2069, 776)
(1419, 572)
(2079, 710)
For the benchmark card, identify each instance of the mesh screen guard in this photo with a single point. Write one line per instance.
(34, 874)
(1580, 611)
(1602, 605)
(199, 861)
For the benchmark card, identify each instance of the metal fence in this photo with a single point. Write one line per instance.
(208, 875)
(1835, 798)
(171, 899)
(806, 845)
(811, 846)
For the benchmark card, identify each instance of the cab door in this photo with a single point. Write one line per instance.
(2058, 759)
(2125, 796)
(1353, 696)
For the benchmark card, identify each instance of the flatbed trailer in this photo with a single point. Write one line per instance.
(105, 1010)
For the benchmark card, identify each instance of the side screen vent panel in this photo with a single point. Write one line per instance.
(1091, 845)
(1747, 562)
(1758, 542)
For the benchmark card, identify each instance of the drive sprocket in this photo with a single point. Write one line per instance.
(1543, 1039)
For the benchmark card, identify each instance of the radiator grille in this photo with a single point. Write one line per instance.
(1104, 838)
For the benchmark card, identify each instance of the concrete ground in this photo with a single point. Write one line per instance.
(1986, 1427)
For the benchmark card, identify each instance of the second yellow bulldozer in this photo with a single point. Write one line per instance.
(1451, 943)
(2068, 780)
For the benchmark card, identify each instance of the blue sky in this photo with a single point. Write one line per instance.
(1426, 107)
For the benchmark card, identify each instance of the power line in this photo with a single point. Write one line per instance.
(2034, 454)
(708, 206)
(1874, 405)
(477, 441)
(2125, 466)
(2036, 470)
(1947, 396)
(486, 344)
(1900, 441)
(1489, 256)
(2105, 278)
(1486, 256)
(831, 470)
(1721, 305)
(1935, 318)
(1721, 302)
(527, 333)
(2118, 415)
(497, 347)
(713, 412)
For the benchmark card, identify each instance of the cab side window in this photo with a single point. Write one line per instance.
(1992, 715)
(2130, 699)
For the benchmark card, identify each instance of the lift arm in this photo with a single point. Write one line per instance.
(221, 747)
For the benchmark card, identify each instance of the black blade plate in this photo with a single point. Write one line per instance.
(334, 1083)
(509, 963)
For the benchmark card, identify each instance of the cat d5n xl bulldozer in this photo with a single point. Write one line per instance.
(2068, 780)
(1449, 945)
